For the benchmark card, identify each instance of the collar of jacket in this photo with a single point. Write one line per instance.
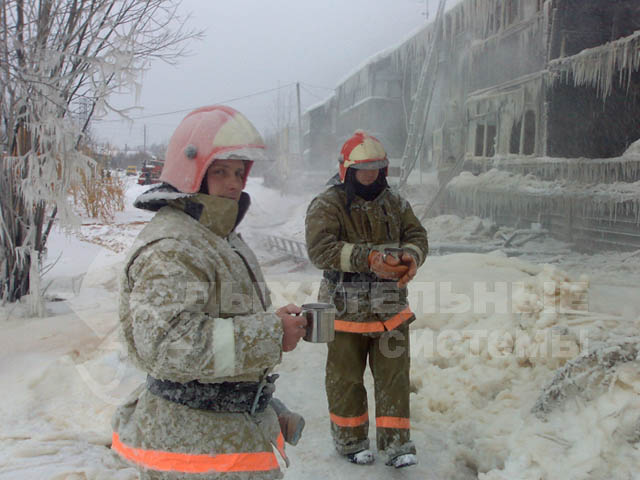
(219, 214)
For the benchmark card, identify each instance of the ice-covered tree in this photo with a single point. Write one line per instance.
(57, 56)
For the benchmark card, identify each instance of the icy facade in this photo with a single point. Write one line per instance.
(599, 67)
(545, 92)
(496, 192)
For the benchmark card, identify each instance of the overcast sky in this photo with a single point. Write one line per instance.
(255, 45)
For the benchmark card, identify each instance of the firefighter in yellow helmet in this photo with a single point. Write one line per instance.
(348, 227)
(196, 316)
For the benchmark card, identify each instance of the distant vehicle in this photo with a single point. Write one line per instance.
(132, 170)
(150, 172)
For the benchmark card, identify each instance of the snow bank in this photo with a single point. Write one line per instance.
(66, 374)
(478, 371)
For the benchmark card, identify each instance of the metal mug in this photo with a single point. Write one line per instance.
(320, 322)
(394, 252)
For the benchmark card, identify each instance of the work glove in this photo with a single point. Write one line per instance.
(389, 269)
(409, 261)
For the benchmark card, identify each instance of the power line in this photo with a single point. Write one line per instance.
(143, 117)
(316, 86)
(310, 92)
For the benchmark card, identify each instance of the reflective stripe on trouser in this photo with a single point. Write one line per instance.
(281, 448)
(196, 463)
(389, 362)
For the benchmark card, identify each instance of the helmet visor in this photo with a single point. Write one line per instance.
(375, 165)
(254, 154)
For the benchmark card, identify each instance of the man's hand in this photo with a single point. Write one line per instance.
(409, 261)
(388, 268)
(293, 326)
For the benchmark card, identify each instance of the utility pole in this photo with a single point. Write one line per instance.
(426, 10)
(145, 138)
(299, 123)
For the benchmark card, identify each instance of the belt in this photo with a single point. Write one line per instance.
(231, 397)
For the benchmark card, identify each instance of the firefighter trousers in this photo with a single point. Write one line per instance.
(389, 361)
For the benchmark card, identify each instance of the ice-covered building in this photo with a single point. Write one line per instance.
(545, 91)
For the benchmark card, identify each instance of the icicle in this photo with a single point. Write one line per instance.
(499, 192)
(597, 67)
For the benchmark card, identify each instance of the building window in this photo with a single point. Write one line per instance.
(514, 141)
(529, 141)
(479, 151)
(485, 140)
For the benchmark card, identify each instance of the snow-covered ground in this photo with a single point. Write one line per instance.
(491, 334)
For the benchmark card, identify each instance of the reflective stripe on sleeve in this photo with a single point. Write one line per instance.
(415, 249)
(372, 327)
(345, 257)
(349, 421)
(224, 347)
(196, 463)
(393, 422)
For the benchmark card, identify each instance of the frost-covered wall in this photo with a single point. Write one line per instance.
(584, 24)
(581, 170)
(516, 78)
(484, 43)
(582, 124)
(540, 97)
(319, 141)
(507, 120)
(593, 94)
(593, 216)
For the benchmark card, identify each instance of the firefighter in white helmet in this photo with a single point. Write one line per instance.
(196, 316)
(348, 228)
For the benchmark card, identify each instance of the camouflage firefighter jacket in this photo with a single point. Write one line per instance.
(194, 307)
(339, 242)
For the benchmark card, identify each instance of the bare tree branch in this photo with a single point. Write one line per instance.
(54, 54)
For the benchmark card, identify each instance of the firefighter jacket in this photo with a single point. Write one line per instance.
(194, 308)
(339, 242)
